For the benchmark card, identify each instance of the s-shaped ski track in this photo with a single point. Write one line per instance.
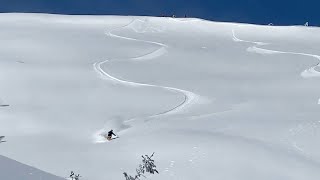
(189, 99)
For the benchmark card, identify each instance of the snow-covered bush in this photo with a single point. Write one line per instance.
(147, 166)
(74, 176)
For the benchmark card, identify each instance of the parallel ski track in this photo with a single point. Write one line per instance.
(190, 98)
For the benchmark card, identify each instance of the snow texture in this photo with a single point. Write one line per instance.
(12, 170)
(213, 100)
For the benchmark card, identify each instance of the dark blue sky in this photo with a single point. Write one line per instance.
(280, 12)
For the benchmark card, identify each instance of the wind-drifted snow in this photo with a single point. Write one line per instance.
(212, 100)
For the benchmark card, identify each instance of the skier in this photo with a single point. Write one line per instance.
(110, 133)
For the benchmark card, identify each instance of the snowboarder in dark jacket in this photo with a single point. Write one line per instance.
(110, 133)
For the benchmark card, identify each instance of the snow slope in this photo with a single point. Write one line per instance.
(213, 100)
(11, 169)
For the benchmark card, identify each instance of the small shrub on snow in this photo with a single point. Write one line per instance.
(74, 176)
(147, 166)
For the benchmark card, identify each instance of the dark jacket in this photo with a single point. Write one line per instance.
(110, 133)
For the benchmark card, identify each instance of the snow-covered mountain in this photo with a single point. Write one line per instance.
(213, 100)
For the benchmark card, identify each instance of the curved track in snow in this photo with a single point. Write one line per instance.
(190, 98)
(310, 72)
